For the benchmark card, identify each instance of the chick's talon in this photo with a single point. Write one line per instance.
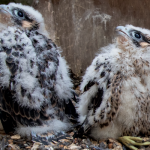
(131, 142)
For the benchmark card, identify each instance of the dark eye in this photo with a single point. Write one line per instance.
(137, 35)
(20, 13)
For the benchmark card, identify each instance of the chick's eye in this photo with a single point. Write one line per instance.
(137, 35)
(19, 13)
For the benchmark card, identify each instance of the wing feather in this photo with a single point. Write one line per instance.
(103, 104)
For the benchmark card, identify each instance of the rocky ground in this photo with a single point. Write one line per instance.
(60, 141)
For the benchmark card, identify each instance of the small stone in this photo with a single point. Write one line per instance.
(118, 144)
(13, 147)
(75, 141)
(73, 146)
(145, 139)
(103, 145)
(70, 138)
(55, 142)
(10, 141)
(83, 145)
(111, 140)
(64, 141)
(47, 146)
(110, 145)
(65, 147)
(15, 137)
(119, 148)
(28, 147)
(35, 146)
(50, 134)
(61, 146)
(95, 142)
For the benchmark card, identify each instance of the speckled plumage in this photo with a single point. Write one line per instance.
(35, 88)
(115, 99)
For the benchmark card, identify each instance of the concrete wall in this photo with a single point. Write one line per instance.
(81, 27)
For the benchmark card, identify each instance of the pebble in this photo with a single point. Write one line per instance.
(28, 147)
(10, 141)
(75, 141)
(61, 146)
(15, 137)
(73, 146)
(103, 145)
(110, 145)
(21, 143)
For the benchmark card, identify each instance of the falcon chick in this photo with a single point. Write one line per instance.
(35, 87)
(115, 99)
(23, 17)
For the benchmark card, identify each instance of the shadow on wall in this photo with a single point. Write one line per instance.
(96, 2)
(55, 2)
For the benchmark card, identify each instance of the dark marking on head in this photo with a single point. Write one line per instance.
(136, 43)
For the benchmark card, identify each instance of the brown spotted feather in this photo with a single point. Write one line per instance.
(9, 105)
(105, 117)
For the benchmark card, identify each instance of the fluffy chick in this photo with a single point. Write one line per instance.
(115, 98)
(35, 87)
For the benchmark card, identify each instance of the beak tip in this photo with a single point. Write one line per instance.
(119, 28)
(4, 9)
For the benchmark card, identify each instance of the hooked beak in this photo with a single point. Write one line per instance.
(5, 10)
(121, 30)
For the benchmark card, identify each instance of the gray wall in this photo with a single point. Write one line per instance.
(81, 27)
(26, 2)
